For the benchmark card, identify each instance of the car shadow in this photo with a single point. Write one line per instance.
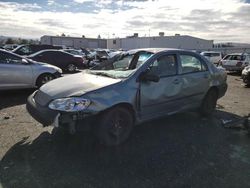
(234, 73)
(14, 97)
(184, 150)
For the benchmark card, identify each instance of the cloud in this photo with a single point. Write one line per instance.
(210, 19)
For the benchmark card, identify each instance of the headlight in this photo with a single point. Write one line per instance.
(72, 104)
(59, 70)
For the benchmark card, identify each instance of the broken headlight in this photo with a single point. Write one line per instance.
(71, 104)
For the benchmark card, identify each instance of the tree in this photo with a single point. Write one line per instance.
(24, 41)
(9, 41)
(63, 35)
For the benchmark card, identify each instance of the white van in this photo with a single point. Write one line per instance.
(213, 57)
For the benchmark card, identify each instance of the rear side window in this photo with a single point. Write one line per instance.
(235, 57)
(191, 64)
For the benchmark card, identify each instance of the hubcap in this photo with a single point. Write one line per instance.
(46, 79)
(117, 127)
(71, 67)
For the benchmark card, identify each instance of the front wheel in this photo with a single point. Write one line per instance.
(43, 79)
(209, 102)
(71, 67)
(115, 126)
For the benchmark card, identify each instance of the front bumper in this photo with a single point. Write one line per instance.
(42, 114)
(47, 117)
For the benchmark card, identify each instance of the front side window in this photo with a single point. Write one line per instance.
(10, 59)
(191, 64)
(165, 65)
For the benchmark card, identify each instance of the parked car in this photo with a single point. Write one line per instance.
(80, 53)
(96, 57)
(142, 85)
(235, 62)
(28, 49)
(10, 46)
(17, 72)
(74, 52)
(64, 60)
(213, 57)
(246, 75)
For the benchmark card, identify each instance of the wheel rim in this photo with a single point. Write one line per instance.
(117, 128)
(46, 79)
(71, 67)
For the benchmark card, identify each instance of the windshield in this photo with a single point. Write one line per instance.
(121, 65)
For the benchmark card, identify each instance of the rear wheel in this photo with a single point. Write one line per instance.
(71, 67)
(115, 126)
(43, 79)
(209, 102)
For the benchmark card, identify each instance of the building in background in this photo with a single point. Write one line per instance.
(232, 47)
(74, 42)
(161, 41)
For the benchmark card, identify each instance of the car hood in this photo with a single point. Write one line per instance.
(75, 85)
(38, 64)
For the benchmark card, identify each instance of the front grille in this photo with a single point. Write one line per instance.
(42, 98)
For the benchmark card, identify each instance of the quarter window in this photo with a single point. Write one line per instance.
(191, 64)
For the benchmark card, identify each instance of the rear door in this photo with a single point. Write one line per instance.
(13, 72)
(195, 78)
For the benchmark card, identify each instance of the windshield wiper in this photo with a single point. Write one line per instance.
(101, 74)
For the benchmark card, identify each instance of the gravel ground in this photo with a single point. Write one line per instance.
(183, 150)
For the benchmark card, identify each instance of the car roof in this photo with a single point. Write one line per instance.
(210, 52)
(157, 50)
(238, 54)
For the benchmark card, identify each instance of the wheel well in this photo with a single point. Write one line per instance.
(127, 106)
(46, 73)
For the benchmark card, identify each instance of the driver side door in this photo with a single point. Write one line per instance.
(160, 98)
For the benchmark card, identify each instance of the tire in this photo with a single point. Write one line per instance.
(209, 102)
(43, 79)
(71, 67)
(114, 126)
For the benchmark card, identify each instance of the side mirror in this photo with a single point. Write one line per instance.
(147, 76)
(24, 61)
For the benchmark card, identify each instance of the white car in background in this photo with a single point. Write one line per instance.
(213, 57)
(235, 61)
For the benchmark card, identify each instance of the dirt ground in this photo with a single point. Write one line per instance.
(184, 150)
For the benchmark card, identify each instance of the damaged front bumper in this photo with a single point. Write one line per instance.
(72, 121)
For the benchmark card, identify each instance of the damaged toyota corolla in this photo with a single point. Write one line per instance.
(138, 86)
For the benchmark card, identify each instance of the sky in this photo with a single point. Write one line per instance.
(218, 20)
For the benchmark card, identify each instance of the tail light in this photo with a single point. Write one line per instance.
(79, 60)
(238, 64)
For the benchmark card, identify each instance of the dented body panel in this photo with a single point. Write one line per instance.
(145, 99)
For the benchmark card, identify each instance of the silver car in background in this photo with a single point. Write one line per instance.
(17, 72)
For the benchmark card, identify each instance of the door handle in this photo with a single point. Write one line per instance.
(176, 81)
